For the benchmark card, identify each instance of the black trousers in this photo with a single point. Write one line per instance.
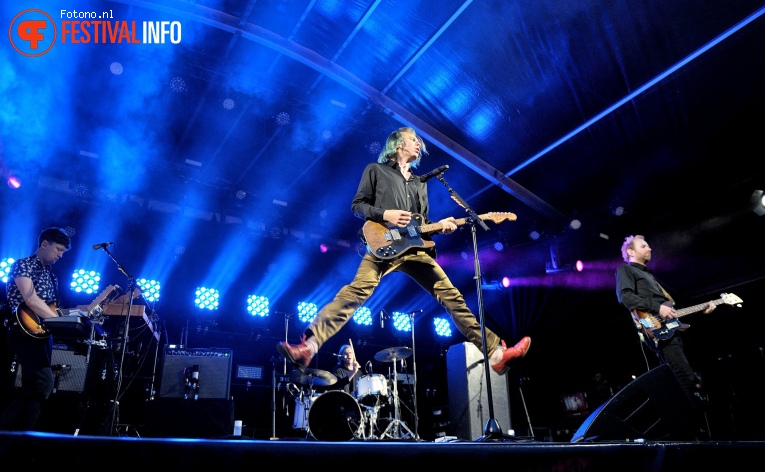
(34, 356)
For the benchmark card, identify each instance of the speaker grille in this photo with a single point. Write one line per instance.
(213, 365)
(69, 371)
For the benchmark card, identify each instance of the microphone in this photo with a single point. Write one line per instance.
(382, 319)
(433, 173)
(96, 247)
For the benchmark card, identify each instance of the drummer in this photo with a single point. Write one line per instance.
(347, 370)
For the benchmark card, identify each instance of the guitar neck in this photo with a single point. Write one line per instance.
(435, 227)
(696, 308)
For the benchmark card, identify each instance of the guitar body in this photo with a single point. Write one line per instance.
(390, 242)
(657, 328)
(30, 323)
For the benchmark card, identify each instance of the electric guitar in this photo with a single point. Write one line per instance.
(389, 242)
(658, 328)
(34, 326)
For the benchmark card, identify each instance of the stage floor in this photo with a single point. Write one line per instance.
(47, 451)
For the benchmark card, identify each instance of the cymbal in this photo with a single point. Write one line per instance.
(313, 377)
(393, 353)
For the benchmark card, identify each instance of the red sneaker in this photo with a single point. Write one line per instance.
(510, 353)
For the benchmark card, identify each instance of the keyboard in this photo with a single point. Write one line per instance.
(74, 324)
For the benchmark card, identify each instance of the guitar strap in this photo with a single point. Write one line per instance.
(635, 318)
(683, 326)
(666, 294)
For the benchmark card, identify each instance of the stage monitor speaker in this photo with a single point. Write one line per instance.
(213, 371)
(653, 406)
(468, 401)
(69, 370)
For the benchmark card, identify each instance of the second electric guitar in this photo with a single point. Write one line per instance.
(390, 242)
(657, 328)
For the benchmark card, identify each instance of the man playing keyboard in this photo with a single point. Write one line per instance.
(32, 282)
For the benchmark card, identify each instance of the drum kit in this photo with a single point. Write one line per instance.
(335, 415)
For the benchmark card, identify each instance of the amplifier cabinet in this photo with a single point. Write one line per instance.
(468, 400)
(211, 368)
(69, 370)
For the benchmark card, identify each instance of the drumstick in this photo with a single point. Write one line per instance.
(355, 360)
(354, 350)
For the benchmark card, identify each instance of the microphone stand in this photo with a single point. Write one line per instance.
(152, 391)
(414, 380)
(492, 431)
(273, 398)
(273, 381)
(113, 415)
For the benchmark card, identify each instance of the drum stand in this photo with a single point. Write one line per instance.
(371, 417)
(396, 425)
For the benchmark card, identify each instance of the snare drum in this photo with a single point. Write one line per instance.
(371, 388)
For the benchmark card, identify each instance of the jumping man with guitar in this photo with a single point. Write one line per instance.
(653, 313)
(394, 204)
(32, 287)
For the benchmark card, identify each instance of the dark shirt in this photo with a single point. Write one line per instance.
(343, 382)
(637, 289)
(43, 278)
(382, 187)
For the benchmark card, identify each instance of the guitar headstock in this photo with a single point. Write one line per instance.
(499, 217)
(730, 299)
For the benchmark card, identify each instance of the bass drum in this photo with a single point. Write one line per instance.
(334, 416)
